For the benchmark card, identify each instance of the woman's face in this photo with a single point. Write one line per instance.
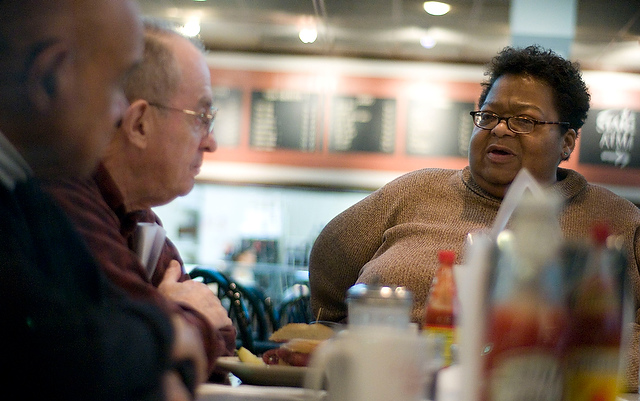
(497, 155)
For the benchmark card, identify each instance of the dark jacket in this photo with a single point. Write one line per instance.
(67, 332)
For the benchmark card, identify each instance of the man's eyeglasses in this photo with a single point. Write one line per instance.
(207, 119)
(517, 124)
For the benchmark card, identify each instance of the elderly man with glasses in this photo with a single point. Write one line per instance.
(155, 154)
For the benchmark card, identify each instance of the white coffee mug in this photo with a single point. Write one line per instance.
(373, 364)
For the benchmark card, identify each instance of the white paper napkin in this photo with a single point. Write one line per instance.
(148, 243)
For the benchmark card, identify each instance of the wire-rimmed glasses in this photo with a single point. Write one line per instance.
(207, 119)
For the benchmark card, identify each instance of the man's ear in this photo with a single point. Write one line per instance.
(45, 74)
(135, 123)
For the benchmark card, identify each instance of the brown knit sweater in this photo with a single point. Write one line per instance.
(394, 235)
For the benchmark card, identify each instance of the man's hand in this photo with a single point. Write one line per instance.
(174, 387)
(195, 294)
(187, 351)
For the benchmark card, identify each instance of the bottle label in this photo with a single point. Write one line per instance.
(445, 339)
(592, 374)
(525, 376)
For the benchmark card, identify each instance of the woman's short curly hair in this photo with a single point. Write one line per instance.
(570, 93)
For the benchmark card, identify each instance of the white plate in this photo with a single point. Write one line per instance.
(266, 375)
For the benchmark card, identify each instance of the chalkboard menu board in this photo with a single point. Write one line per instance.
(438, 128)
(608, 138)
(362, 124)
(284, 119)
(227, 125)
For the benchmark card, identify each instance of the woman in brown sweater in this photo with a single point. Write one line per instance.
(532, 106)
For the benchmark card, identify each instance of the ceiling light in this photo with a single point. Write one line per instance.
(436, 7)
(308, 35)
(191, 28)
(428, 42)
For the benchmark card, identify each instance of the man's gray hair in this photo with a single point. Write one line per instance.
(157, 77)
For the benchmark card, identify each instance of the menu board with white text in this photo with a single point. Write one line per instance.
(362, 124)
(284, 120)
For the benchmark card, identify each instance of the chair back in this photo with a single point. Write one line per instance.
(232, 299)
(261, 317)
(295, 306)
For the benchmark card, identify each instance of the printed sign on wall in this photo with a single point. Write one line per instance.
(608, 137)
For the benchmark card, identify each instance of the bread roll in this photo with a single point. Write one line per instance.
(305, 331)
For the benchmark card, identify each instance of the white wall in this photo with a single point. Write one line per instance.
(223, 214)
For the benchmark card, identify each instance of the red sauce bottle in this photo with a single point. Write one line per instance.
(442, 307)
(595, 324)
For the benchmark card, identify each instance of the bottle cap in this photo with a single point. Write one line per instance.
(600, 232)
(446, 257)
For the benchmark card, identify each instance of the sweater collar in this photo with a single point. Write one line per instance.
(569, 183)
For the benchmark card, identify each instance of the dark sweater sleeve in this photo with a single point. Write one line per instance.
(148, 336)
(72, 334)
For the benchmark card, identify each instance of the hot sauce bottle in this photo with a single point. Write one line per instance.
(595, 324)
(525, 311)
(441, 308)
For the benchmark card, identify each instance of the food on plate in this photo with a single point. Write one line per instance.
(247, 356)
(299, 341)
(302, 330)
(295, 352)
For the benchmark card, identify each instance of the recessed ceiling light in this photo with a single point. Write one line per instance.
(308, 35)
(436, 7)
(428, 42)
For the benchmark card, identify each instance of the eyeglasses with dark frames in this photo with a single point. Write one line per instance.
(517, 124)
(207, 119)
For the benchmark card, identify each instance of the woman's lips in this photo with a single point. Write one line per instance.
(500, 154)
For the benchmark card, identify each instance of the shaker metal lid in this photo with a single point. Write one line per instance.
(379, 294)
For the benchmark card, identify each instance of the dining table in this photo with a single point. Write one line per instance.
(222, 392)
(249, 392)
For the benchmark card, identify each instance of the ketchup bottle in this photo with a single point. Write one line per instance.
(441, 309)
(526, 316)
(595, 325)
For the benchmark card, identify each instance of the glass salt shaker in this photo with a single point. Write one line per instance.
(377, 305)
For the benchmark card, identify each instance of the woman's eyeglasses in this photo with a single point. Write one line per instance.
(517, 124)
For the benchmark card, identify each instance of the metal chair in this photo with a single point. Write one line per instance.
(247, 308)
(231, 298)
(295, 306)
(261, 317)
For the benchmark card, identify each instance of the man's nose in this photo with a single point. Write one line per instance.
(209, 142)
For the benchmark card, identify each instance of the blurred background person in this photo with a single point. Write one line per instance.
(73, 334)
(153, 158)
(530, 112)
